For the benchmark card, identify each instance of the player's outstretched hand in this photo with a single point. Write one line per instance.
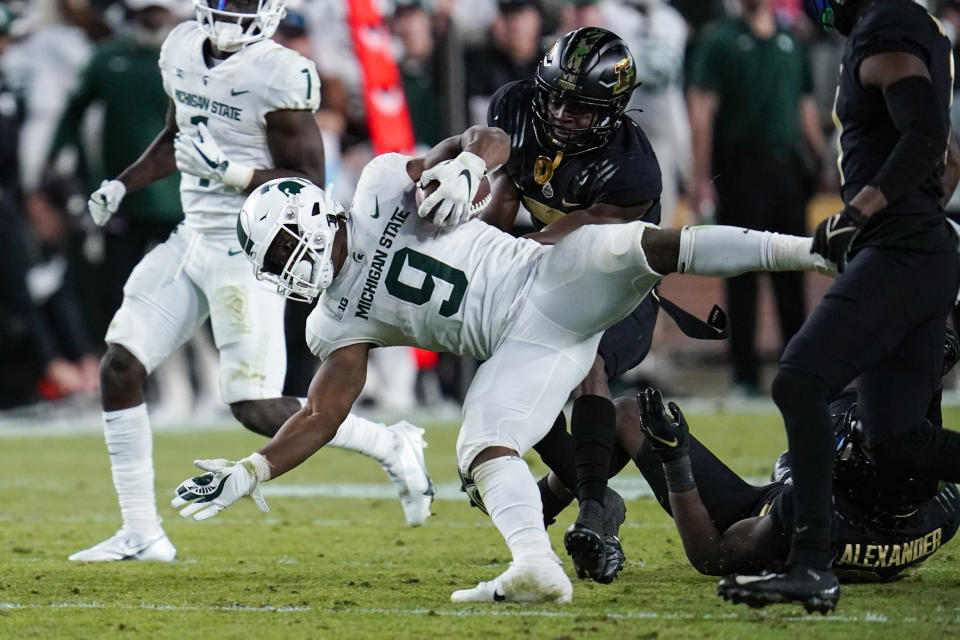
(834, 236)
(459, 180)
(224, 483)
(200, 155)
(104, 202)
(667, 434)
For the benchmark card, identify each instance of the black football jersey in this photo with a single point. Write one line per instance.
(868, 135)
(864, 546)
(623, 173)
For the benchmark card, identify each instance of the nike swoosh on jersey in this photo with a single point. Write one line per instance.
(564, 203)
(231, 252)
(234, 92)
(376, 208)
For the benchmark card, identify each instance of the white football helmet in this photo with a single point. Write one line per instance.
(287, 227)
(231, 24)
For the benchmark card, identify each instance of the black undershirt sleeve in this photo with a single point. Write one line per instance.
(923, 136)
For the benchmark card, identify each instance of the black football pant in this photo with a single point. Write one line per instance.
(764, 191)
(883, 320)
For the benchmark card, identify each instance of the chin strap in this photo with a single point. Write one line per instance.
(714, 328)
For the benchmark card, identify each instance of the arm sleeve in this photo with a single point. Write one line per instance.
(923, 126)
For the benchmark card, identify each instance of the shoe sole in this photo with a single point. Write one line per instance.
(586, 549)
(139, 556)
(613, 563)
(758, 601)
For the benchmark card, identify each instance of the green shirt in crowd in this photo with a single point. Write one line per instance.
(125, 78)
(758, 82)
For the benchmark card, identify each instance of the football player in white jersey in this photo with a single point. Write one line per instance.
(241, 114)
(533, 313)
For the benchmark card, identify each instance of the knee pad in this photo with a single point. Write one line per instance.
(120, 368)
(793, 388)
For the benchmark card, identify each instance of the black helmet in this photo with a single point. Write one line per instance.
(590, 68)
(881, 494)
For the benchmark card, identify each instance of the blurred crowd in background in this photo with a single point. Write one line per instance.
(735, 97)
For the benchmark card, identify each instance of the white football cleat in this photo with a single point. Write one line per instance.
(408, 472)
(546, 582)
(125, 545)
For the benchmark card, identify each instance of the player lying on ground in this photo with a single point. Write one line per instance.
(389, 277)
(884, 520)
(241, 113)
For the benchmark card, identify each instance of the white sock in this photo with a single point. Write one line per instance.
(372, 439)
(722, 252)
(130, 445)
(510, 493)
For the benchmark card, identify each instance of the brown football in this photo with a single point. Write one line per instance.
(479, 201)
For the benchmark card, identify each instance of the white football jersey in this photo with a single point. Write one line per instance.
(406, 282)
(233, 99)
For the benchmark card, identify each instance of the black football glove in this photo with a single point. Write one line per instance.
(667, 435)
(834, 236)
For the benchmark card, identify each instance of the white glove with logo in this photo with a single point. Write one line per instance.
(224, 483)
(103, 202)
(201, 156)
(459, 180)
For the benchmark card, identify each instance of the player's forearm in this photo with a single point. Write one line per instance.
(156, 163)
(491, 144)
(303, 434)
(924, 132)
(698, 534)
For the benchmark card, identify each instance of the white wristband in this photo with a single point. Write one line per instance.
(237, 176)
(260, 465)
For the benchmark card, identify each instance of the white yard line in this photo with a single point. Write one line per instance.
(493, 611)
(631, 486)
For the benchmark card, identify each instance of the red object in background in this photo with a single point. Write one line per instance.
(388, 119)
(425, 359)
(49, 391)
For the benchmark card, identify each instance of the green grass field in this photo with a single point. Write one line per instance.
(348, 567)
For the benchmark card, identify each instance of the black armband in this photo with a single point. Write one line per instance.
(924, 127)
(679, 475)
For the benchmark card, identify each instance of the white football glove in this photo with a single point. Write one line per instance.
(459, 180)
(103, 202)
(201, 156)
(224, 483)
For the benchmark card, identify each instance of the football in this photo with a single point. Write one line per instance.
(481, 200)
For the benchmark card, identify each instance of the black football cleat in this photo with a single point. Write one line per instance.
(614, 513)
(816, 590)
(584, 540)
